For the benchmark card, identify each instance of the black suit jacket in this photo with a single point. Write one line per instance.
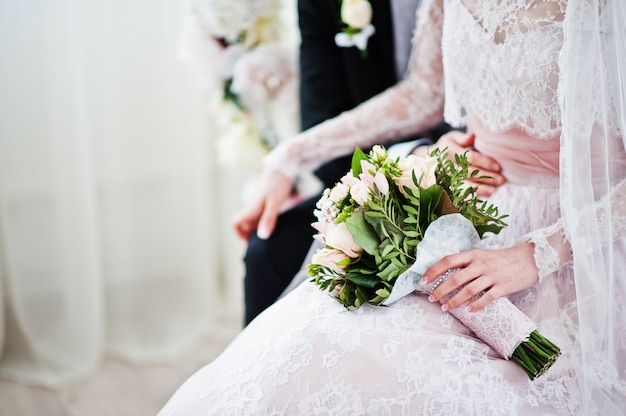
(335, 79)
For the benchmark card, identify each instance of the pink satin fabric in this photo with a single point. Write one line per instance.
(524, 159)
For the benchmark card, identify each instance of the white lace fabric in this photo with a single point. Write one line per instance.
(503, 35)
(307, 355)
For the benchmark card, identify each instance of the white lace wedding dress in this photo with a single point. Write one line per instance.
(307, 355)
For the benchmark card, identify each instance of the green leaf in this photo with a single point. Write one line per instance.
(391, 255)
(363, 280)
(383, 293)
(388, 249)
(357, 157)
(374, 214)
(363, 233)
(410, 209)
(389, 272)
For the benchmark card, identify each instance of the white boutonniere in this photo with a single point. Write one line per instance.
(356, 15)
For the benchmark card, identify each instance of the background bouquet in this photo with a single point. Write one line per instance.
(388, 220)
(245, 54)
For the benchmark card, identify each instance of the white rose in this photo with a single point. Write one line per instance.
(356, 13)
(360, 192)
(424, 169)
(339, 192)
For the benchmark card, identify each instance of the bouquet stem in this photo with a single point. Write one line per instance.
(536, 355)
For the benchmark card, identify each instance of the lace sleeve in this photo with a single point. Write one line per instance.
(412, 105)
(552, 247)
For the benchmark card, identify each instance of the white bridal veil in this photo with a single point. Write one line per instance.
(593, 166)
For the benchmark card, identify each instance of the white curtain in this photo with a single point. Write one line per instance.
(114, 234)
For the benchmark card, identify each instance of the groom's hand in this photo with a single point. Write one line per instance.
(261, 213)
(458, 142)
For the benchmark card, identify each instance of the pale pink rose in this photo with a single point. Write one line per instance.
(329, 258)
(349, 179)
(381, 183)
(320, 226)
(424, 169)
(377, 177)
(338, 236)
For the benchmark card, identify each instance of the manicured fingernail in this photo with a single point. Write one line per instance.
(468, 308)
(424, 280)
(431, 298)
(263, 233)
(444, 307)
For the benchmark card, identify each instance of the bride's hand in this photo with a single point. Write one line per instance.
(495, 272)
(261, 213)
(458, 142)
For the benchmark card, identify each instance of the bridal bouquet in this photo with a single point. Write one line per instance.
(246, 53)
(387, 221)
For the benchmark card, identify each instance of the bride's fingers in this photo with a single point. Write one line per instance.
(478, 286)
(453, 281)
(485, 299)
(453, 261)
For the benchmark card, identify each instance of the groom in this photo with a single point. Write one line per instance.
(333, 79)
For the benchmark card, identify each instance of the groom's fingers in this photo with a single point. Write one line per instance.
(485, 163)
(277, 189)
(268, 219)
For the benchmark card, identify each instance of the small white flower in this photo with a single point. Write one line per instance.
(380, 152)
(358, 39)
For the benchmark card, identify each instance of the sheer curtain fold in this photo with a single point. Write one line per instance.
(108, 192)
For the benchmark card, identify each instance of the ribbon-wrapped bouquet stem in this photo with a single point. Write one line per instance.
(387, 221)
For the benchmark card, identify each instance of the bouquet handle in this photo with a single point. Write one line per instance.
(500, 324)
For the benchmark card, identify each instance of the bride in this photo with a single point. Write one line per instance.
(542, 85)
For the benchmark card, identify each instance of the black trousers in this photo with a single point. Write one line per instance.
(271, 264)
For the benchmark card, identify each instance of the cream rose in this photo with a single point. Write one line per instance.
(356, 13)
(424, 169)
(360, 192)
(339, 192)
(333, 259)
(338, 236)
